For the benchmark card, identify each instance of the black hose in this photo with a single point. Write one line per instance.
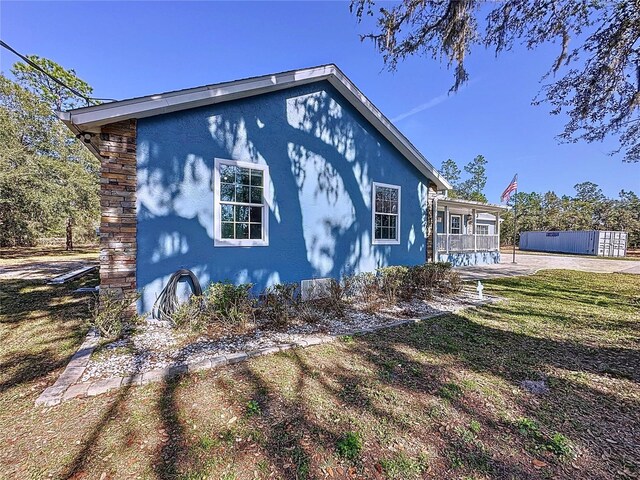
(167, 302)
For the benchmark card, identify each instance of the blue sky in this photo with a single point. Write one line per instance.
(139, 48)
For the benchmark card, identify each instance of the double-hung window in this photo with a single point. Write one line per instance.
(241, 212)
(482, 229)
(386, 214)
(456, 224)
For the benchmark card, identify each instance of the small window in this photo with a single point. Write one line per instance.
(482, 229)
(240, 207)
(386, 214)
(456, 222)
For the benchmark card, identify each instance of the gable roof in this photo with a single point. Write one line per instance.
(90, 119)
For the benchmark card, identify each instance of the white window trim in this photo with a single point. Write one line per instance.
(481, 225)
(385, 241)
(451, 216)
(218, 241)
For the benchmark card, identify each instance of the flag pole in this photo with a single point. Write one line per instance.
(515, 223)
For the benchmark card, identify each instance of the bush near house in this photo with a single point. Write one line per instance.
(225, 304)
(109, 313)
(222, 302)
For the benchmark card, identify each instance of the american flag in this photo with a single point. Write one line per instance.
(512, 187)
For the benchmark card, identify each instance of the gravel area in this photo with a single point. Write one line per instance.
(154, 345)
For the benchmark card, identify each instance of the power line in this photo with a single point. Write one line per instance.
(59, 82)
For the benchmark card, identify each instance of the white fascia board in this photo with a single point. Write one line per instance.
(95, 116)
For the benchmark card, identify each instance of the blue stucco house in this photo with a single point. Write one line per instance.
(279, 178)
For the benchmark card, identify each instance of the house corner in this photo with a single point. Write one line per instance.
(118, 183)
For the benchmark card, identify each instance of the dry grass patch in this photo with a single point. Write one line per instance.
(439, 399)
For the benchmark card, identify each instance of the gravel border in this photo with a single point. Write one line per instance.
(67, 386)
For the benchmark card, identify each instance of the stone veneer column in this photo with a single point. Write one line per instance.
(431, 233)
(118, 185)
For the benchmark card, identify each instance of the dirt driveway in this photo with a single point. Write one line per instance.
(529, 263)
(43, 263)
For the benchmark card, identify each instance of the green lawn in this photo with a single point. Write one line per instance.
(440, 399)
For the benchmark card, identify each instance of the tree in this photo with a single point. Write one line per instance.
(552, 208)
(599, 79)
(47, 178)
(471, 189)
(58, 97)
(588, 192)
(626, 216)
(451, 173)
(589, 209)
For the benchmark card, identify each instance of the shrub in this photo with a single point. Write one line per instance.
(221, 302)
(192, 313)
(110, 313)
(309, 312)
(395, 282)
(279, 302)
(334, 300)
(349, 445)
(365, 287)
(430, 277)
(231, 303)
(454, 282)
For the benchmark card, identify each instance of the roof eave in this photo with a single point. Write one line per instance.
(65, 117)
(93, 117)
(486, 207)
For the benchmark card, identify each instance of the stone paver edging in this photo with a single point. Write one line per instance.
(67, 388)
(53, 395)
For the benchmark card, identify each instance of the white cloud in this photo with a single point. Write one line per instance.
(430, 104)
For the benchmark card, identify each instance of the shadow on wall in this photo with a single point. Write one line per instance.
(323, 157)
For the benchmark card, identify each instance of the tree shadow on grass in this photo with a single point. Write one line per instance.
(602, 421)
(87, 454)
(174, 451)
(398, 359)
(296, 441)
(35, 321)
(392, 378)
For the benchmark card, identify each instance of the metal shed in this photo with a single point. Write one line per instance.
(603, 243)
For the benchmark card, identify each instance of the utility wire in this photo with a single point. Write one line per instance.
(59, 82)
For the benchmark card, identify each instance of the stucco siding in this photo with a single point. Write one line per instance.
(323, 158)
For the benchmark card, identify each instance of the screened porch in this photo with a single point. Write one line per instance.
(467, 226)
